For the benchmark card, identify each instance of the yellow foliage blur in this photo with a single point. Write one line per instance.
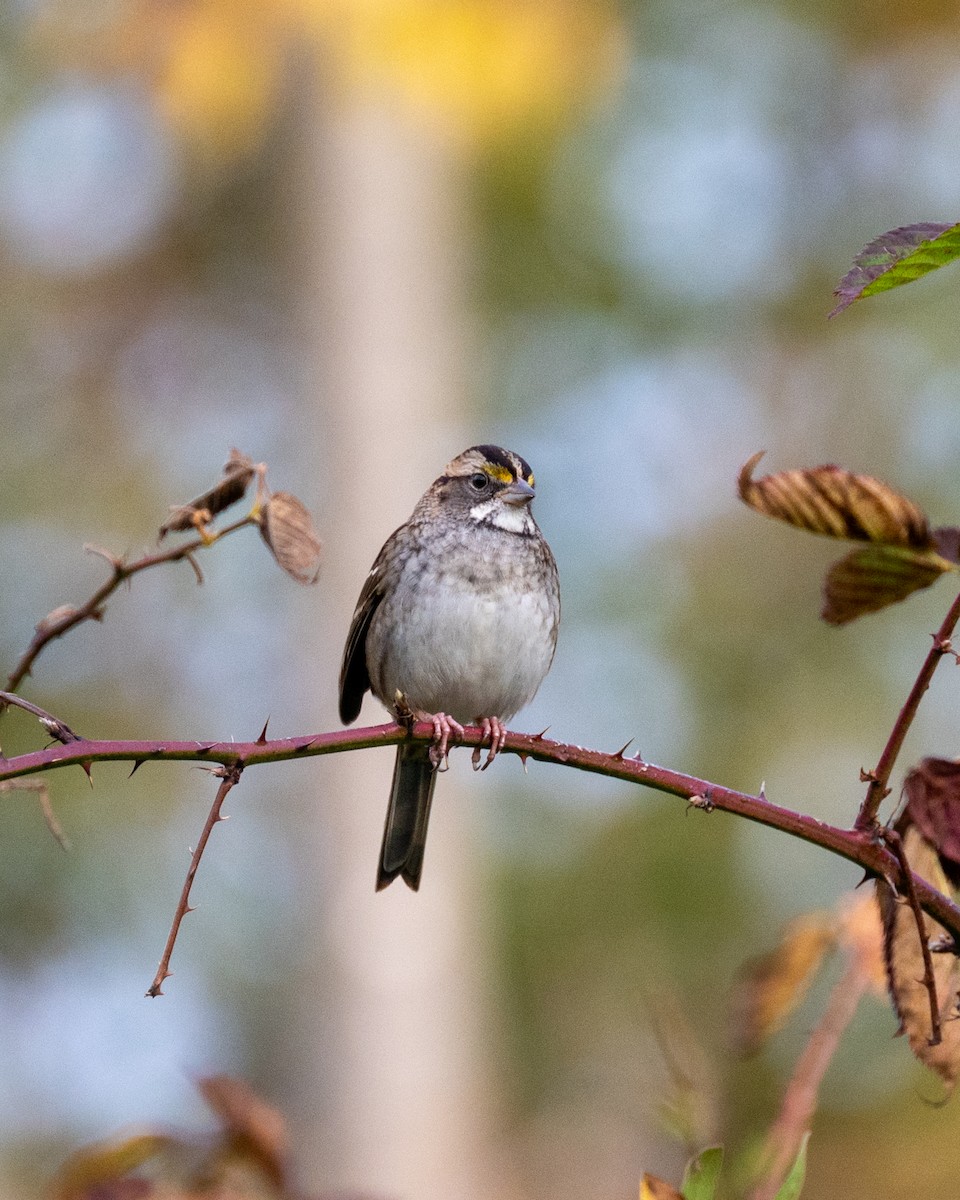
(473, 69)
(476, 68)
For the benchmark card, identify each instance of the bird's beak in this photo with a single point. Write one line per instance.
(517, 493)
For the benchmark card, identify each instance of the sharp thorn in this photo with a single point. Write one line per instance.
(623, 749)
(538, 737)
(263, 733)
(136, 767)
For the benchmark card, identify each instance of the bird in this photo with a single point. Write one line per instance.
(456, 623)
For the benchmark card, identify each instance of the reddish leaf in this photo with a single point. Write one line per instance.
(255, 1127)
(947, 541)
(933, 805)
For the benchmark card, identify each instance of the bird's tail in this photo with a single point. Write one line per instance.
(405, 833)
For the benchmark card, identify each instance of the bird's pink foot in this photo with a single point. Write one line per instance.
(494, 729)
(444, 728)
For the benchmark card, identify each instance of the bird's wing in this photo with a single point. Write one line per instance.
(354, 676)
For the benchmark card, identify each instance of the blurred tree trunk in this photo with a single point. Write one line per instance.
(394, 1059)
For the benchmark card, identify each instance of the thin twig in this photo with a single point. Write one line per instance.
(879, 777)
(229, 777)
(67, 617)
(53, 725)
(895, 842)
(857, 847)
(42, 792)
(800, 1097)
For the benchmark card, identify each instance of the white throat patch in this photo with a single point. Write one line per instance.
(511, 517)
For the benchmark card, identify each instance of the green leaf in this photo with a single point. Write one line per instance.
(896, 257)
(702, 1175)
(793, 1184)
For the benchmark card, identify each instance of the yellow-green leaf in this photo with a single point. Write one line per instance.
(792, 1186)
(702, 1175)
(896, 257)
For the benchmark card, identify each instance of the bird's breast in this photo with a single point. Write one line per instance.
(466, 635)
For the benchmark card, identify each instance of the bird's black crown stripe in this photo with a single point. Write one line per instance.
(500, 457)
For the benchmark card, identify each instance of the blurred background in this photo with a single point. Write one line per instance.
(352, 237)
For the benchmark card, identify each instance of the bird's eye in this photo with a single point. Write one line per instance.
(478, 482)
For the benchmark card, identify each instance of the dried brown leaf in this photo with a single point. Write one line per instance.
(652, 1188)
(238, 471)
(287, 528)
(933, 805)
(905, 966)
(836, 503)
(772, 985)
(89, 1171)
(860, 933)
(873, 577)
(253, 1126)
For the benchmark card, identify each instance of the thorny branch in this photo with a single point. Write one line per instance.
(229, 776)
(855, 845)
(65, 618)
(879, 777)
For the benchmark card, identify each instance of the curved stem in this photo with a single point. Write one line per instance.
(879, 777)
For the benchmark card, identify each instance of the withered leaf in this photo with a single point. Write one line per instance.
(772, 985)
(287, 528)
(933, 805)
(872, 577)
(905, 966)
(87, 1172)
(652, 1188)
(836, 503)
(860, 933)
(238, 471)
(253, 1126)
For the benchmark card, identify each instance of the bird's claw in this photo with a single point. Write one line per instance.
(494, 729)
(444, 727)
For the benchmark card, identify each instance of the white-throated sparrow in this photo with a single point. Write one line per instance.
(456, 623)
